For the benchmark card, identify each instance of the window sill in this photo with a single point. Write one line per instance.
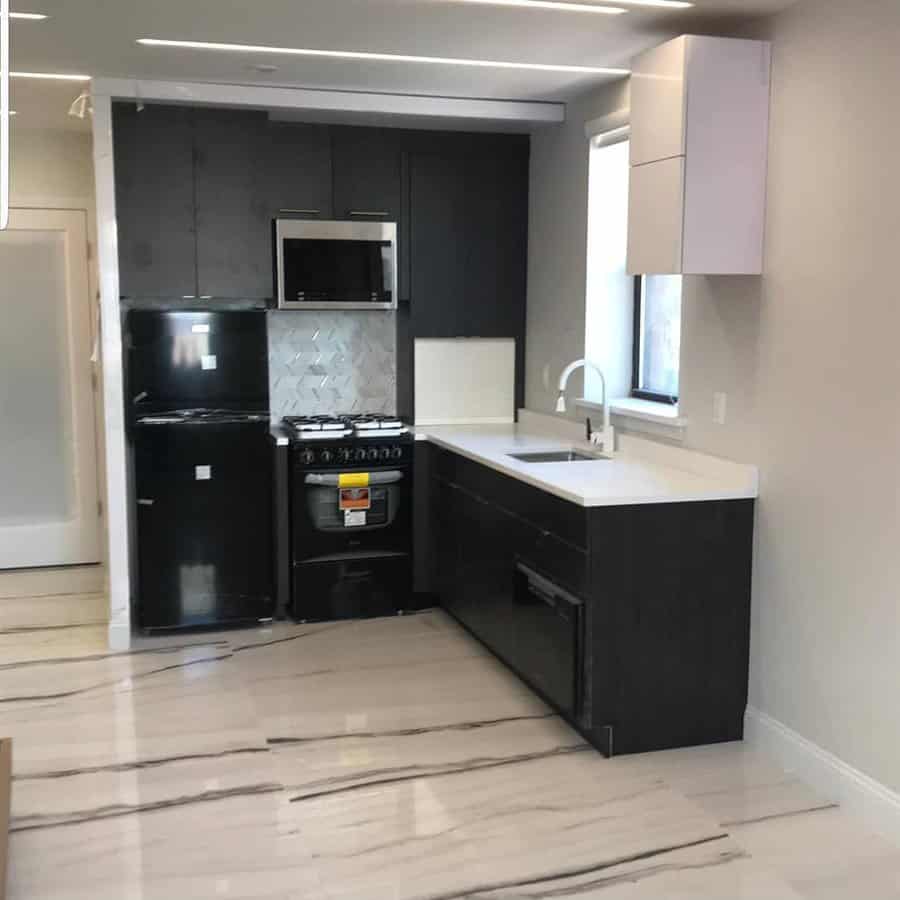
(642, 410)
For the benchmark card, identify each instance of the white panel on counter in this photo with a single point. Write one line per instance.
(465, 381)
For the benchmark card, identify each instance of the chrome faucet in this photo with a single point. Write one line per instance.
(606, 439)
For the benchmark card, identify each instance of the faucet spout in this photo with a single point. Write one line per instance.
(606, 437)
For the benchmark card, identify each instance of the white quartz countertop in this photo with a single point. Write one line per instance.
(642, 471)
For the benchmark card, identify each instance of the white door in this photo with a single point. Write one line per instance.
(48, 457)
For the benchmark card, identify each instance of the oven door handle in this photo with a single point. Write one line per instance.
(332, 479)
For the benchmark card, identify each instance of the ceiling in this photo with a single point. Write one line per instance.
(97, 37)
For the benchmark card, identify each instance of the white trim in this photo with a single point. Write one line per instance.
(266, 97)
(5, 171)
(856, 792)
(117, 511)
(488, 420)
(648, 411)
(642, 410)
(610, 138)
(36, 201)
(119, 637)
(620, 118)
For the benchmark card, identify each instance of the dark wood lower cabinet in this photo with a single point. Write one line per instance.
(635, 626)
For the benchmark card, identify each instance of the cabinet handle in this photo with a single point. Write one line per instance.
(302, 212)
(206, 296)
(188, 296)
(378, 213)
(142, 501)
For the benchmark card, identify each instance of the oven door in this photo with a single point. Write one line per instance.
(328, 518)
(336, 265)
(351, 551)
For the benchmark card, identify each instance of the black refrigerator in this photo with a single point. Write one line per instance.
(198, 393)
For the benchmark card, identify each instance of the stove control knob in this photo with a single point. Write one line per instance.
(359, 454)
(384, 453)
(396, 453)
(344, 455)
(326, 456)
(372, 454)
(307, 457)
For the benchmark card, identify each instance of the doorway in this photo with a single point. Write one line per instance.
(49, 499)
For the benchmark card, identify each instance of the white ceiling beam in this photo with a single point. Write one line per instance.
(524, 112)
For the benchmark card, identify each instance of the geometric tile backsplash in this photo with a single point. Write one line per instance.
(332, 362)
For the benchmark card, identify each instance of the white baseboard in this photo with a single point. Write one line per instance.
(119, 636)
(856, 792)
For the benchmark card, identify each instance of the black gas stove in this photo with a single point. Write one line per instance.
(351, 516)
(358, 440)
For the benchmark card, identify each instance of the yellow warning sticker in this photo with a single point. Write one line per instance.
(353, 479)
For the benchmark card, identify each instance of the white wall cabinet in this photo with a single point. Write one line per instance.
(699, 149)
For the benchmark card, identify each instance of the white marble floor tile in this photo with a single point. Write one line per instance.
(19, 645)
(125, 708)
(825, 855)
(241, 846)
(388, 759)
(731, 782)
(713, 870)
(477, 830)
(337, 763)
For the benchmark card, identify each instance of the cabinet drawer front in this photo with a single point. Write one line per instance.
(558, 560)
(544, 511)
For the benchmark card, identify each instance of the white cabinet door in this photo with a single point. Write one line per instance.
(656, 218)
(48, 460)
(659, 103)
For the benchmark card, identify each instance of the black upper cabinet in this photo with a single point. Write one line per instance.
(234, 226)
(469, 221)
(154, 171)
(367, 167)
(299, 171)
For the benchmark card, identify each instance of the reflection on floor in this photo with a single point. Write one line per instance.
(390, 759)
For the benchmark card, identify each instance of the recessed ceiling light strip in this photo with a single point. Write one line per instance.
(586, 7)
(55, 76)
(31, 17)
(560, 5)
(379, 57)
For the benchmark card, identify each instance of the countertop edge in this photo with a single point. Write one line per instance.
(587, 500)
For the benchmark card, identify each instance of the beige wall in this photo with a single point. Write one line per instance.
(808, 357)
(51, 165)
(817, 402)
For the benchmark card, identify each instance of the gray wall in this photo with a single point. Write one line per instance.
(332, 362)
(557, 246)
(807, 355)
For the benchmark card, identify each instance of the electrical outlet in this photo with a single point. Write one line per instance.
(720, 407)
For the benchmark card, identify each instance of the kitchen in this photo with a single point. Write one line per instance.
(361, 477)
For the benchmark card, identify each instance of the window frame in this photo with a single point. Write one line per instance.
(637, 392)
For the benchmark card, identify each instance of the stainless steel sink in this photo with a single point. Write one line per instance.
(548, 456)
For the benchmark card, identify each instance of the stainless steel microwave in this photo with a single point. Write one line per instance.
(336, 265)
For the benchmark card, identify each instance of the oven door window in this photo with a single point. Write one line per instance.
(339, 271)
(326, 512)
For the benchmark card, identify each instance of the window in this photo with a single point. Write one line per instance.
(657, 338)
(632, 325)
(608, 295)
